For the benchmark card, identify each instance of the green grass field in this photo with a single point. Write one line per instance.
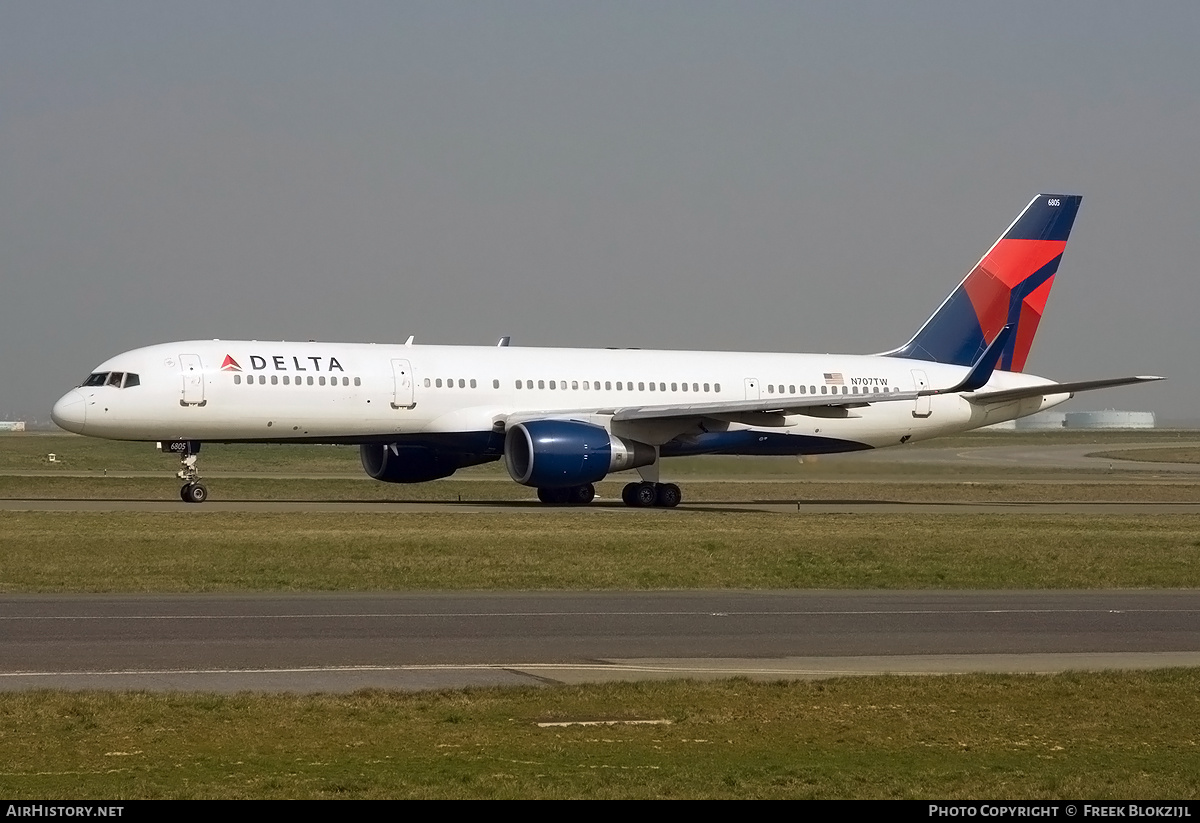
(593, 549)
(1078, 736)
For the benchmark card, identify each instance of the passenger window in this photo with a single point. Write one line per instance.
(770, 388)
(310, 380)
(321, 380)
(462, 384)
(427, 381)
(791, 389)
(652, 387)
(706, 387)
(717, 387)
(552, 384)
(541, 384)
(237, 380)
(472, 382)
(274, 380)
(575, 385)
(642, 386)
(824, 390)
(608, 385)
(438, 382)
(802, 389)
(286, 381)
(683, 385)
(695, 387)
(358, 381)
(495, 384)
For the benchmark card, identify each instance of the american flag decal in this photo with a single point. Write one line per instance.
(834, 379)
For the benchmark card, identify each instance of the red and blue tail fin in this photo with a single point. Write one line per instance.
(1009, 286)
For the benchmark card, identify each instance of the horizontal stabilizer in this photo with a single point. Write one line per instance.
(1004, 395)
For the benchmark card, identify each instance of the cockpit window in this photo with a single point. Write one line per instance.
(117, 379)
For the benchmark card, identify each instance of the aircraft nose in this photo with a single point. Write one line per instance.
(69, 412)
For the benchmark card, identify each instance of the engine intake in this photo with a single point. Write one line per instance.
(559, 453)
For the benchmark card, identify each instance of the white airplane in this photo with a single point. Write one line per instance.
(563, 419)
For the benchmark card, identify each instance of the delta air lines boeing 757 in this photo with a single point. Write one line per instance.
(563, 419)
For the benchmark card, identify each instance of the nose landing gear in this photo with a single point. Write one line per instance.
(193, 490)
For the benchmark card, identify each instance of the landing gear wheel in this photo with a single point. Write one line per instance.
(645, 495)
(581, 495)
(194, 493)
(668, 496)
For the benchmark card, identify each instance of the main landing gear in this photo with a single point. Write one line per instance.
(642, 495)
(647, 494)
(569, 495)
(193, 490)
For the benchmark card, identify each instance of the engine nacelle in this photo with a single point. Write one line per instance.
(397, 463)
(560, 453)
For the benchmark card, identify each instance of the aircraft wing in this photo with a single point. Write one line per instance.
(773, 405)
(1003, 395)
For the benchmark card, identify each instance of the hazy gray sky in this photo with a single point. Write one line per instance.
(758, 176)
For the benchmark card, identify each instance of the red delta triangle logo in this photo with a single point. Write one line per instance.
(230, 364)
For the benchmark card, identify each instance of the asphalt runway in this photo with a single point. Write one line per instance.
(344, 642)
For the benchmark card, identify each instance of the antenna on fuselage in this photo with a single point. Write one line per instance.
(410, 340)
(503, 342)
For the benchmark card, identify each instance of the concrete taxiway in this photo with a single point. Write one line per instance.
(344, 642)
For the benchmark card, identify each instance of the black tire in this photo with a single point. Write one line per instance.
(195, 493)
(185, 493)
(554, 497)
(668, 496)
(581, 495)
(646, 494)
(629, 494)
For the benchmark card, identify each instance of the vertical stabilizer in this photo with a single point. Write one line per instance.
(1009, 286)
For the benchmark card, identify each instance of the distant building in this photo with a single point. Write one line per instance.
(12, 425)
(1054, 421)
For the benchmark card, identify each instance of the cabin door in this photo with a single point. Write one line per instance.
(193, 380)
(402, 395)
(922, 407)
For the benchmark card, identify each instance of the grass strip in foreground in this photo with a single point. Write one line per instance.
(1103, 735)
(196, 551)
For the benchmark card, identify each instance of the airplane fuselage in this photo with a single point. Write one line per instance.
(243, 391)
